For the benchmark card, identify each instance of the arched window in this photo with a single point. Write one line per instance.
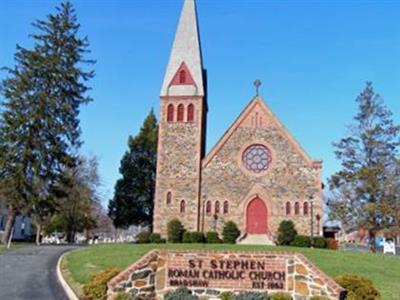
(297, 208)
(226, 207)
(208, 207)
(190, 113)
(305, 208)
(217, 207)
(183, 207)
(182, 76)
(180, 112)
(169, 198)
(288, 208)
(170, 113)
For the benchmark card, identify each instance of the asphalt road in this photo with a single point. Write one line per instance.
(30, 273)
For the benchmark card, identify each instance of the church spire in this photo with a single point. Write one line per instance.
(184, 75)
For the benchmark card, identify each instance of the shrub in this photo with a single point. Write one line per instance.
(358, 287)
(212, 237)
(319, 242)
(155, 238)
(122, 296)
(175, 231)
(280, 296)
(251, 296)
(286, 233)
(230, 232)
(181, 293)
(143, 237)
(301, 241)
(332, 244)
(96, 288)
(227, 296)
(187, 237)
(197, 237)
(319, 298)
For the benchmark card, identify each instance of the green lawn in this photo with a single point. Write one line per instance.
(384, 271)
(3, 247)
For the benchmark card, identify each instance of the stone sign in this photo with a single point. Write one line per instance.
(209, 273)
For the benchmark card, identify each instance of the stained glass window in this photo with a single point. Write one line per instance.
(217, 207)
(180, 112)
(170, 113)
(257, 158)
(288, 208)
(208, 208)
(169, 198)
(305, 208)
(226, 207)
(190, 113)
(296, 208)
(183, 207)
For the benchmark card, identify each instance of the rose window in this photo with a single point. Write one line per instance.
(257, 158)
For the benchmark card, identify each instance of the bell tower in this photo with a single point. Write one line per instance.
(182, 129)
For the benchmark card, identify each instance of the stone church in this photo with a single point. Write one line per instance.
(256, 175)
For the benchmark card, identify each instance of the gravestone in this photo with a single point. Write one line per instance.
(208, 273)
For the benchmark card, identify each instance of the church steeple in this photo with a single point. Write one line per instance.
(184, 74)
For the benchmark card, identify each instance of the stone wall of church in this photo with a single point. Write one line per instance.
(178, 167)
(288, 178)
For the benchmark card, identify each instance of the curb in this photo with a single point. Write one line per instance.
(67, 289)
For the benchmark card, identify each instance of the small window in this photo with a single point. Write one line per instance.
(305, 208)
(217, 208)
(182, 77)
(288, 209)
(226, 207)
(169, 198)
(190, 113)
(183, 207)
(180, 112)
(208, 207)
(170, 113)
(297, 208)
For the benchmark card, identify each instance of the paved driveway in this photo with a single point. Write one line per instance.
(30, 273)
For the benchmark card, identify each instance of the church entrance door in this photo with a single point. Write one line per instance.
(257, 217)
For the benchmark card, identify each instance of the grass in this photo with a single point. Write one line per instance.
(383, 270)
(15, 245)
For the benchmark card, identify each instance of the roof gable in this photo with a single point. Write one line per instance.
(257, 114)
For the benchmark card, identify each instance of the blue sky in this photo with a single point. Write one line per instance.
(313, 58)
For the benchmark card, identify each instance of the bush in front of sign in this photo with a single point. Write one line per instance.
(230, 232)
(319, 298)
(175, 231)
(212, 237)
(187, 237)
(286, 233)
(280, 296)
(358, 287)
(251, 296)
(96, 288)
(181, 293)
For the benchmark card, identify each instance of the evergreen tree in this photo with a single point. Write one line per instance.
(360, 197)
(134, 192)
(39, 125)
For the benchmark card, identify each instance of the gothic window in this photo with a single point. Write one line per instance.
(305, 208)
(226, 207)
(217, 208)
(182, 77)
(297, 208)
(288, 208)
(257, 158)
(183, 207)
(208, 207)
(190, 113)
(169, 198)
(180, 112)
(170, 113)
